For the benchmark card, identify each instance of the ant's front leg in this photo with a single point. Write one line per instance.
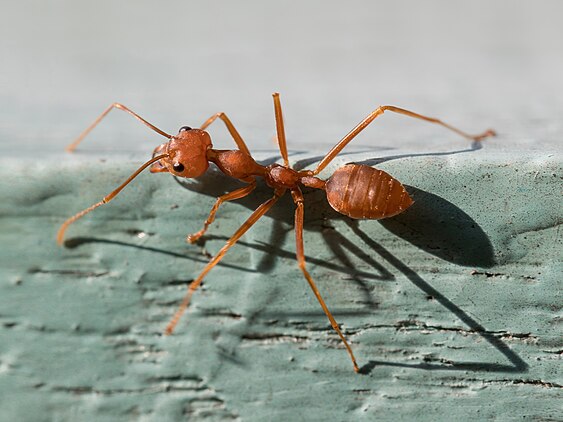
(230, 127)
(236, 194)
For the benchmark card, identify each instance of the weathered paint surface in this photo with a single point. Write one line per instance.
(453, 308)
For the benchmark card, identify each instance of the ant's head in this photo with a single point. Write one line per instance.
(187, 153)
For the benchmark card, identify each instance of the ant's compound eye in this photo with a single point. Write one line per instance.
(178, 167)
(183, 128)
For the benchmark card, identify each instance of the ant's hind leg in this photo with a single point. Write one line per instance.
(236, 194)
(378, 112)
(299, 213)
(73, 145)
(254, 217)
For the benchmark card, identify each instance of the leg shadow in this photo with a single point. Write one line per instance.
(303, 163)
(516, 363)
(76, 242)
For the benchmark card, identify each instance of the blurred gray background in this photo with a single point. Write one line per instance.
(475, 64)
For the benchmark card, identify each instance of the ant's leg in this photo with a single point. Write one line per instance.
(254, 217)
(236, 194)
(230, 127)
(105, 200)
(298, 199)
(280, 128)
(72, 146)
(380, 110)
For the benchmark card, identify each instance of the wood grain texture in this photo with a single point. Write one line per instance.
(451, 307)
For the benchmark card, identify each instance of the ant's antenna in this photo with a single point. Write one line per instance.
(74, 144)
(105, 200)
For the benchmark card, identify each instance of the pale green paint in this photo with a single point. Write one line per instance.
(80, 333)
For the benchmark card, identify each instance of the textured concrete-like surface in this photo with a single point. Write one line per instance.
(453, 308)
(456, 299)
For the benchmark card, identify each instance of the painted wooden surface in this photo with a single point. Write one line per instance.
(456, 301)
(453, 308)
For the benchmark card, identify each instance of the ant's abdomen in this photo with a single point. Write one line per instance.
(360, 191)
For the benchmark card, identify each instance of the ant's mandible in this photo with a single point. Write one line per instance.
(355, 190)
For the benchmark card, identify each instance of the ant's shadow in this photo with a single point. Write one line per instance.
(432, 224)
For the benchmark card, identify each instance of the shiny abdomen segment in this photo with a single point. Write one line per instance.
(360, 191)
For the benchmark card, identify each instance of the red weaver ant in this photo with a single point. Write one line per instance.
(355, 190)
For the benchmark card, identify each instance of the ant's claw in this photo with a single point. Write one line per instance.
(486, 134)
(193, 238)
